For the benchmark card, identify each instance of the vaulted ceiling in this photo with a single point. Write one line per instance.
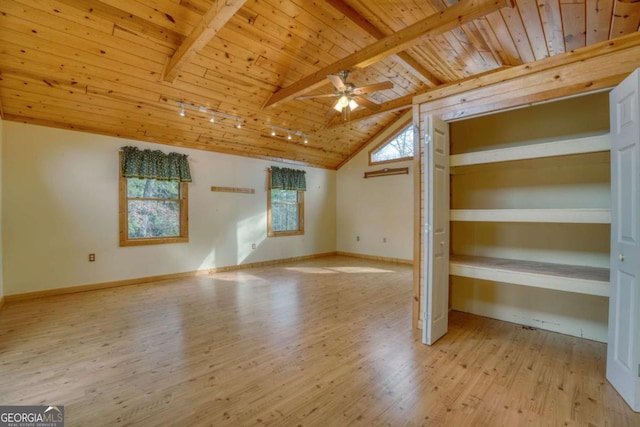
(121, 67)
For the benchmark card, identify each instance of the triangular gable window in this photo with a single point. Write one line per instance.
(398, 148)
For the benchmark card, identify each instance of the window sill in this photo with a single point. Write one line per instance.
(284, 233)
(153, 241)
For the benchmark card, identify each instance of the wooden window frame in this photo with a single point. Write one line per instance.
(300, 203)
(183, 200)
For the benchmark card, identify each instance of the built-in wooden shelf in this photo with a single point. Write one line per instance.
(569, 278)
(564, 147)
(581, 216)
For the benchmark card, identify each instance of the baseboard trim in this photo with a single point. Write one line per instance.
(376, 258)
(141, 280)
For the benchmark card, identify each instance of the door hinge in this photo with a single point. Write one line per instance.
(427, 139)
(639, 370)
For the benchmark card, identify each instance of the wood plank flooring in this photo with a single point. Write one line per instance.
(324, 342)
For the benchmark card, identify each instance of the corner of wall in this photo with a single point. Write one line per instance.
(374, 217)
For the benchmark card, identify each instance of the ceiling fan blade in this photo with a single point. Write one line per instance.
(337, 82)
(361, 100)
(372, 88)
(324, 95)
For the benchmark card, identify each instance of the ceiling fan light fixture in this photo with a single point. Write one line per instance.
(342, 103)
(349, 96)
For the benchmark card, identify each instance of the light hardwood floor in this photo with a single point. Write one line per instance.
(325, 342)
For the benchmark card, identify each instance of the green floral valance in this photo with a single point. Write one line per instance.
(288, 179)
(154, 164)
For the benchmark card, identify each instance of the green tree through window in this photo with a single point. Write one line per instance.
(154, 208)
(153, 211)
(285, 211)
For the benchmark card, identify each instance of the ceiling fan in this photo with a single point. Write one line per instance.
(349, 96)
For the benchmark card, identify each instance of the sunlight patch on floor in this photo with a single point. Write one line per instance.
(361, 270)
(330, 270)
(311, 270)
(235, 276)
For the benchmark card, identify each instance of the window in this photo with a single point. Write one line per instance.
(285, 202)
(156, 211)
(152, 210)
(398, 148)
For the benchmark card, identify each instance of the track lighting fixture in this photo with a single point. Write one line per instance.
(288, 133)
(213, 115)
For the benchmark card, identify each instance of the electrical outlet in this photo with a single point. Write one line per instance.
(92, 257)
(357, 238)
(384, 240)
(253, 246)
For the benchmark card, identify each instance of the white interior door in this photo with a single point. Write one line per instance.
(435, 286)
(623, 351)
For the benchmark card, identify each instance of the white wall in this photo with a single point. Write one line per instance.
(375, 209)
(61, 203)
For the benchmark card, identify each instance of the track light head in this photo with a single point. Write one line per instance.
(287, 133)
(213, 115)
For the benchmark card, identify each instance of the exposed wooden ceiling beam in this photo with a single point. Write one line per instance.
(212, 21)
(452, 17)
(583, 70)
(404, 58)
(397, 104)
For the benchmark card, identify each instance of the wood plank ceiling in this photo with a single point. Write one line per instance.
(120, 67)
